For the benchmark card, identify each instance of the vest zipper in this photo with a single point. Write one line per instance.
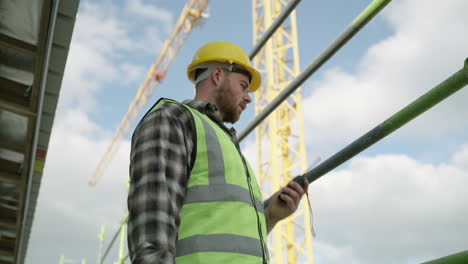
(252, 198)
(260, 233)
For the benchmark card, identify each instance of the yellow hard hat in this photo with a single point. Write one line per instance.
(228, 52)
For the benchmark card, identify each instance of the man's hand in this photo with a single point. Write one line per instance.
(284, 202)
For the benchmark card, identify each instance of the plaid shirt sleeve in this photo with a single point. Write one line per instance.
(160, 163)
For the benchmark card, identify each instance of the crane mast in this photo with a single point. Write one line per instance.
(191, 13)
(280, 138)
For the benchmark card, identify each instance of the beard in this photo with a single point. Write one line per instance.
(227, 103)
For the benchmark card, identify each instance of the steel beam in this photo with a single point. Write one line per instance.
(18, 45)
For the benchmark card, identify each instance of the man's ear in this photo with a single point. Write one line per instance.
(216, 75)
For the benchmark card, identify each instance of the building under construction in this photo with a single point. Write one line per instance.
(34, 42)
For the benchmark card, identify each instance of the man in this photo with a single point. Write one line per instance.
(193, 197)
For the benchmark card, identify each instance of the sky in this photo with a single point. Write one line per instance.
(401, 201)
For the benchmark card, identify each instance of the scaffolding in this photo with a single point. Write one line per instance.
(280, 139)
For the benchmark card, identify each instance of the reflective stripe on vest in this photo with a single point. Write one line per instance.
(215, 157)
(218, 219)
(214, 193)
(217, 243)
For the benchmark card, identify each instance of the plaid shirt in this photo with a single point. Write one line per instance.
(162, 156)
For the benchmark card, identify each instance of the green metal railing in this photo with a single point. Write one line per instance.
(458, 258)
(437, 94)
(122, 231)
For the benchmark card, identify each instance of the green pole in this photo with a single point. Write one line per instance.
(437, 94)
(458, 258)
(114, 238)
(101, 237)
(123, 234)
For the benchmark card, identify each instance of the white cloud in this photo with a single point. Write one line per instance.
(151, 40)
(103, 36)
(152, 12)
(331, 253)
(97, 37)
(100, 28)
(426, 47)
(68, 210)
(133, 72)
(461, 158)
(390, 209)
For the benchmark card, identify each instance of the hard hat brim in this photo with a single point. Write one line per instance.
(256, 77)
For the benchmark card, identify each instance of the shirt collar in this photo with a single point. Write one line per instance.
(206, 108)
(210, 110)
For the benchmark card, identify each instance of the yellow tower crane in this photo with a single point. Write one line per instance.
(280, 138)
(192, 12)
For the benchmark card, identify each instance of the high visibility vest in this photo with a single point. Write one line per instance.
(222, 218)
